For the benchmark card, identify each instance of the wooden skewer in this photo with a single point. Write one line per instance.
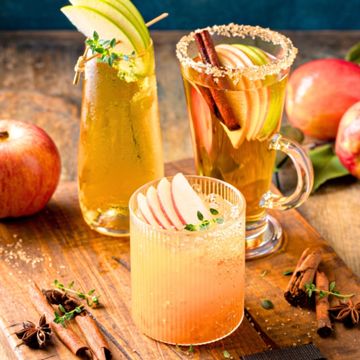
(157, 19)
(82, 60)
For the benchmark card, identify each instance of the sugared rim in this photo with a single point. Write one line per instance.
(254, 72)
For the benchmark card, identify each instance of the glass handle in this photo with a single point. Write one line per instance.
(304, 172)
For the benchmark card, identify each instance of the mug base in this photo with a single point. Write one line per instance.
(263, 238)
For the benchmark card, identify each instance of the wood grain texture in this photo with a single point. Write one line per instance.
(36, 86)
(57, 243)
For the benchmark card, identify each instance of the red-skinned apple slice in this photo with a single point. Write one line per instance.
(201, 119)
(145, 210)
(166, 203)
(155, 207)
(186, 201)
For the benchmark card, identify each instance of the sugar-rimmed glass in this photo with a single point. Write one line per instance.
(254, 91)
(188, 287)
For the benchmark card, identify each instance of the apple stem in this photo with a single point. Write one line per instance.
(4, 135)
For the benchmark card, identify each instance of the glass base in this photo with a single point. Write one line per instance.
(263, 237)
(202, 342)
(110, 223)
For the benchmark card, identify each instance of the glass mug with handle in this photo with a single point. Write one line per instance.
(235, 78)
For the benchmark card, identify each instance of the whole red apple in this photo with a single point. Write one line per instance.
(347, 146)
(29, 168)
(318, 94)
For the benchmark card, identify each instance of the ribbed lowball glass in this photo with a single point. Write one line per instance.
(188, 287)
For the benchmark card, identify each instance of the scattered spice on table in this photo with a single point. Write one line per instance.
(35, 337)
(324, 327)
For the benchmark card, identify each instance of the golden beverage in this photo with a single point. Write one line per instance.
(188, 287)
(120, 142)
(235, 78)
(249, 164)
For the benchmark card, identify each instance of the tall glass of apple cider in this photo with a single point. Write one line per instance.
(235, 78)
(187, 279)
(120, 142)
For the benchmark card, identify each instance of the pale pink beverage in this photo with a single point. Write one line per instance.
(188, 286)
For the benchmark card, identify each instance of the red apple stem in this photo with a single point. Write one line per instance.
(4, 135)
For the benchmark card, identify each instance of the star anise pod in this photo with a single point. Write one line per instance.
(56, 297)
(347, 312)
(35, 336)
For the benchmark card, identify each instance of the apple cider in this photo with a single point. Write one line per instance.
(188, 286)
(120, 142)
(237, 157)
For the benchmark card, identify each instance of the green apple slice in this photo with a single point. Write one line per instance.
(111, 12)
(247, 88)
(139, 20)
(258, 58)
(87, 21)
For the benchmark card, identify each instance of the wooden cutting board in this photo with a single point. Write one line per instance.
(57, 244)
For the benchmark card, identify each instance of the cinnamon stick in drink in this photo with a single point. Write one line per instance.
(66, 335)
(209, 56)
(93, 336)
(304, 274)
(324, 327)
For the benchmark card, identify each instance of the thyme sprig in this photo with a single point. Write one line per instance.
(67, 315)
(123, 63)
(91, 298)
(205, 223)
(311, 288)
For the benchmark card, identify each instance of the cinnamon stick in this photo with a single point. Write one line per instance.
(324, 327)
(66, 335)
(216, 98)
(93, 336)
(304, 274)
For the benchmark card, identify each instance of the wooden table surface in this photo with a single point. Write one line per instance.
(36, 85)
(60, 245)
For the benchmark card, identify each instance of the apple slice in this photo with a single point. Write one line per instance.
(166, 203)
(155, 207)
(145, 210)
(87, 21)
(187, 202)
(117, 17)
(136, 18)
(258, 57)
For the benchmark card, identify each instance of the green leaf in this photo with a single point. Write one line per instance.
(200, 216)
(326, 165)
(191, 349)
(112, 43)
(62, 309)
(226, 354)
(91, 291)
(288, 272)
(214, 211)
(190, 227)
(353, 54)
(71, 285)
(267, 304)
(332, 286)
(95, 35)
(322, 294)
(219, 220)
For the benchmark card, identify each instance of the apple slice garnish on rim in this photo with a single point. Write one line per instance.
(110, 11)
(145, 210)
(133, 14)
(258, 57)
(166, 203)
(155, 207)
(87, 21)
(186, 201)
